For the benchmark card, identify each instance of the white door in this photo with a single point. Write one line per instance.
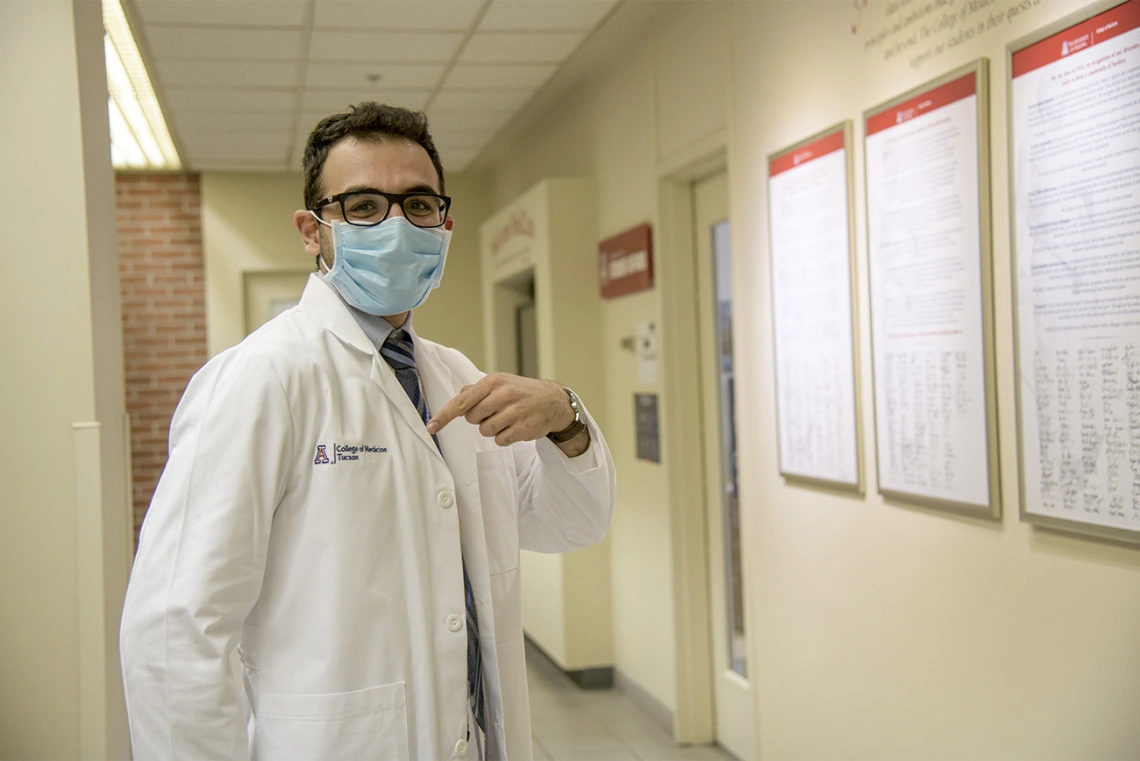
(735, 712)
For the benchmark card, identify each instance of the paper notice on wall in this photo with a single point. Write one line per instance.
(647, 353)
(1076, 143)
(923, 200)
(812, 311)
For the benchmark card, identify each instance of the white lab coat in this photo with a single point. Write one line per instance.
(306, 517)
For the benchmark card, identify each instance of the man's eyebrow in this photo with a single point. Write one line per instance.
(420, 188)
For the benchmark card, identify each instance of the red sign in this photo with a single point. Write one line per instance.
(931, 100)
(1111, 23)
(800, 156)
(625, 262)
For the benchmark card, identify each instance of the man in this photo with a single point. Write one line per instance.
(360, 554)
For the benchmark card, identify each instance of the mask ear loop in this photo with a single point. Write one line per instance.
(321, 268)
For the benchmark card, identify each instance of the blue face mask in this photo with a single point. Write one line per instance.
(389, 268)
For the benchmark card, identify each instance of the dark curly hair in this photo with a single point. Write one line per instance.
(369, 121)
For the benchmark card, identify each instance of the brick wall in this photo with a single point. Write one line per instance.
(164, 311)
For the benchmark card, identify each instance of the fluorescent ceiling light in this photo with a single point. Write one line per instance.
(139, 137)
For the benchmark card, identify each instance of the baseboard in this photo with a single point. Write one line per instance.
(597, 678)
(646, 701)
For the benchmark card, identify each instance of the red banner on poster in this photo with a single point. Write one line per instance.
(625, 262)
(932, 100)
(1111, 23)
(800, 156)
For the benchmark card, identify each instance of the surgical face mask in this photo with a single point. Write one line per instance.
(389, 268)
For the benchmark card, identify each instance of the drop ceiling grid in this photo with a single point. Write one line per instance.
(244, 81)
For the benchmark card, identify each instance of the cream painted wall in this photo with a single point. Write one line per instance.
(623, 126)
(247, 222)
(881, 631)
(877, 631)
(64, 523)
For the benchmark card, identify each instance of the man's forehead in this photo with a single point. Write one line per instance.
(391, 164)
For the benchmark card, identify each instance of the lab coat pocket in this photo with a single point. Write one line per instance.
(364, 725)
(499, 496)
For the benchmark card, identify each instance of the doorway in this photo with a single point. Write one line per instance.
(734, 707)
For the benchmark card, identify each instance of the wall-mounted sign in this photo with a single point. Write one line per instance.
(512, 243)
(648, 433)
(625, 262)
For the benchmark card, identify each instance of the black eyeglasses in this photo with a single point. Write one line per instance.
(365, 208)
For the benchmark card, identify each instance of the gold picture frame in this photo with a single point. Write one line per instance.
(1068, 525)
(858, 487)
(993, 508)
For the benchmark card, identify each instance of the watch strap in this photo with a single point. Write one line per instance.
(572, 430)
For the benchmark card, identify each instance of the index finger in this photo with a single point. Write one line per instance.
(467, 398)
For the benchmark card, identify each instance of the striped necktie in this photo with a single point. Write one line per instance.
(399, 352)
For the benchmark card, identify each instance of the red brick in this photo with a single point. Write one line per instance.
(162, 285)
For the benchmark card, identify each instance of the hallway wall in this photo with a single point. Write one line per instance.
(64, 520)
(883, 631)
(164, 312)
(876, 631)
(634, 117)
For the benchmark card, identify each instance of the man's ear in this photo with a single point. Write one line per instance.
(449, 223)
(310, 230)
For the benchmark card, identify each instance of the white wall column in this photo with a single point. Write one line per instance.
(64, 549)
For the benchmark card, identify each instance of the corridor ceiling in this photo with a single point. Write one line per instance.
(242, 82)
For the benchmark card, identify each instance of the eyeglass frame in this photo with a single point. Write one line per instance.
(394, 199)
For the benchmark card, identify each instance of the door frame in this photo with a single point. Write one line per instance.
(694, 720)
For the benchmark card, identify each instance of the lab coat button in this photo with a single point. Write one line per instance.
(445, 499)
(461, 748)
(455, 623)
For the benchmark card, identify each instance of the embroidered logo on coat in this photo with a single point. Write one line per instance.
(345, 453)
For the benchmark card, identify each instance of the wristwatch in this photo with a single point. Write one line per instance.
(575, 428)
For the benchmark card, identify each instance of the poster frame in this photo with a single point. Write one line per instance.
(1067, 525)
(980, 68)
(859, 486)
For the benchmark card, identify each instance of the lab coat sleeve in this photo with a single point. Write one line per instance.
(201, 560)
(564, 503)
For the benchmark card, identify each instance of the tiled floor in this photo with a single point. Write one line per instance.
(572, 724)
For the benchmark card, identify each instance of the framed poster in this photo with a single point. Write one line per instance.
(928, 233)
(811, 223)
(1074, 133)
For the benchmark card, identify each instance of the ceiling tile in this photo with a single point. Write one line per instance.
(553, 15)
(210, 121)
(195, 43)
(451, 121)
(461, 138)
(510, 100)
(223, 12)
(408, 47)
(475, 141)
(184, 99)
(457, 161)
(239, 165)
(491, 75)
(349, 75)
(537, 47)
(206, 145)
(433, 15)
(332, 101)
(229, 73)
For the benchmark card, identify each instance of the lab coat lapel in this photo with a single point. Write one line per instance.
(383, 375)
(456, 440)
(327, 307)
